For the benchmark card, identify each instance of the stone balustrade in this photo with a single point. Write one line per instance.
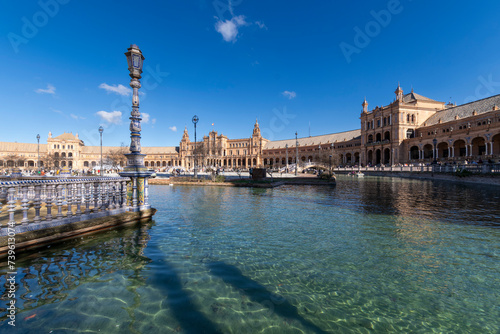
(28, 205)
(473, 168)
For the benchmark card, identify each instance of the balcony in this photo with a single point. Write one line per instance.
(374, 143)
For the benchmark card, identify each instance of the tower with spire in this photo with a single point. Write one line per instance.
(256, 129)
(365, 106)
(399, 93)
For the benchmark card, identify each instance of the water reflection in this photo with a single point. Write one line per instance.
(440, 200)
(49, 276)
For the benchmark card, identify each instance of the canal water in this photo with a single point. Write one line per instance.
(373, 255)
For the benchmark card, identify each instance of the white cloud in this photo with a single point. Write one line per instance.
(113, 117)
(120, 89)
(173, 128)
(153, 121)
(76, 116)
(50, 90)
(57, 111)
(290, 95)
(229, 28)
(145, 117)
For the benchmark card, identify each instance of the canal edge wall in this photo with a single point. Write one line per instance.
(41, 237)
(275, 184)
(473, 179)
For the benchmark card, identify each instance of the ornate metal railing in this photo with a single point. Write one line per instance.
(26, 203)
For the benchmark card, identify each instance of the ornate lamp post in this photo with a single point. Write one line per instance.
(195, 120)
(296, 154)
(286, 147)
(100, 133)
(137, 188)
(434, 141)
(38, 149)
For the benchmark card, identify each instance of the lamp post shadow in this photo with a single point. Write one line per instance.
(259, 293)
(180, 303)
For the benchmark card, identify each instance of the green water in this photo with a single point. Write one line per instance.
(373, 255)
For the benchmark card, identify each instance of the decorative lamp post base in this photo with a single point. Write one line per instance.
(137, 187)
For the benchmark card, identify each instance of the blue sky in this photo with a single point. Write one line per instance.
(293, 65)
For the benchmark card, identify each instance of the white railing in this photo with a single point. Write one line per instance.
(46, 203)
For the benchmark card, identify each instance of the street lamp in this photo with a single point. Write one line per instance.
(286, 146)
(195, 120)
(330, 160)
(38, 148)
(296, 154)
(434, 141)
(137, 193)
(100, 133)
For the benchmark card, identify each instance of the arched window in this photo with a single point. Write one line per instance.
(387, 135)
